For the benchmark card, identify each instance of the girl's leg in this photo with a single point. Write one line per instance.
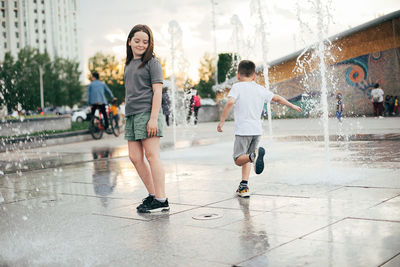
(136, 156)
(152, 151)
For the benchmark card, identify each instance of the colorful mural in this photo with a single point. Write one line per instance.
(354, 78)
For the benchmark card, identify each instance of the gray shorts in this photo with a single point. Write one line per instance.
(245, 144)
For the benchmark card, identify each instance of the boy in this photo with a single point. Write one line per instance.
(248, 98)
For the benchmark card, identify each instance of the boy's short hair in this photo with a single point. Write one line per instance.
(95, 74)
(376, 85)
(246, 68)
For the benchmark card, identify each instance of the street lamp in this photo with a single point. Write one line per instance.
(41, 87)
(41, 82)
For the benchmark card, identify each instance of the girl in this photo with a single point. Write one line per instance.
(144, 122)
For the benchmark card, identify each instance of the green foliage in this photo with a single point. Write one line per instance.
(20, 80)
(206, 73)
(110, 72)
(8, 82)
(204, 88)
(226, 67)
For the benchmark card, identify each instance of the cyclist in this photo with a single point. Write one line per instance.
(96, 98)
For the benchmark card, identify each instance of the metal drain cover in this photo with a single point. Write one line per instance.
(207, 216)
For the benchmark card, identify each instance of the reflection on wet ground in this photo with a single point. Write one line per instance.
(305, 208)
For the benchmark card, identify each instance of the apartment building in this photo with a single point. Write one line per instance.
(49, 25)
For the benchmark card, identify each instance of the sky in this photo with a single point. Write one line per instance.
(289, 25)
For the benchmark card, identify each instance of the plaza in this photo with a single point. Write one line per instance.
(75, 204)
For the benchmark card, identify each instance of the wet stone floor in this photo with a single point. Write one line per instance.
(306, 209)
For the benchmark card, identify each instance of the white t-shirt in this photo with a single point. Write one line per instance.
(377, 92)
(249, 104)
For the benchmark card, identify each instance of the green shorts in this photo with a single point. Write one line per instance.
(136, 126)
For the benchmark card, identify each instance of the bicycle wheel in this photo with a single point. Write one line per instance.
(95, 128)
(114, 125)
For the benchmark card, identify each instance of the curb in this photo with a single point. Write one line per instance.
(9, 144)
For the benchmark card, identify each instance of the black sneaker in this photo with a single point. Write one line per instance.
(145, 202)
(259, 160)
(109, 131)
(155, 206)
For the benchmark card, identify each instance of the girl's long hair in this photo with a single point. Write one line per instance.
(148, 54)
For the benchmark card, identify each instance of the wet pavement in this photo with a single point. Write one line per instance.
(75, 205)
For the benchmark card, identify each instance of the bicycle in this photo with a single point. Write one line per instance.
(97, 127)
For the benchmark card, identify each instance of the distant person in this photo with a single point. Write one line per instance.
(248, 99)
(339, 107)
(166, 104)
(143, 78)
(386, 105)
(96, 98)
(391, 105)
(191, 108)
(196, 106)
(377, 100)
(396, 106)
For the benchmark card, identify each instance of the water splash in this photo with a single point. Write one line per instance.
(260, 9)
(177, 83)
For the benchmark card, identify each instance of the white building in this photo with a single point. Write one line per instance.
(49, 25)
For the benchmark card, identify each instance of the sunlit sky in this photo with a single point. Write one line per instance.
(289, 26)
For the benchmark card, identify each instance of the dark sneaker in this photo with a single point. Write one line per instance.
(109, 131)
(145, 202)
(243, 191)
(155, 206)
(259, 160)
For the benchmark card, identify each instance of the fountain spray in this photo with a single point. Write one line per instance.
(264, 47)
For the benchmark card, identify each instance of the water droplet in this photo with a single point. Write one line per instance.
(24, 218)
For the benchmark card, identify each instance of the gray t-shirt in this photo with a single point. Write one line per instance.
(138, 85)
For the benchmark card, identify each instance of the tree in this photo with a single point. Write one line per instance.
(207, 68)
(204, 88)
(110, 72)
(20, 80)
(226, 66)
(28, 78)
(74, 89)
(7, 82)
(206, 73)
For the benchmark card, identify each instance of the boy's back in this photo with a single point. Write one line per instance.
(249, 104)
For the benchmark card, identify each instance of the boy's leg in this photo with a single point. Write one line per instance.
(246, 171)
(243, 159)
(243, 189)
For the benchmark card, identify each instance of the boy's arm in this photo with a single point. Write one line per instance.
(281, 100)
(225, 113)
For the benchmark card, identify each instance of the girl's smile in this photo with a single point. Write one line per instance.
(139, 44)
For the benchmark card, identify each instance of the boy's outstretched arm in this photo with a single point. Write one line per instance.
(225, 113)
(281, 100)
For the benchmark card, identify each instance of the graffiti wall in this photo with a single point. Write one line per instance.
(353, 78)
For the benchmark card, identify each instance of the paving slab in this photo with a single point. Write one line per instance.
(75, 204)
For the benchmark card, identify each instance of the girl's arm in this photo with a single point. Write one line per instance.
(152, 125)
